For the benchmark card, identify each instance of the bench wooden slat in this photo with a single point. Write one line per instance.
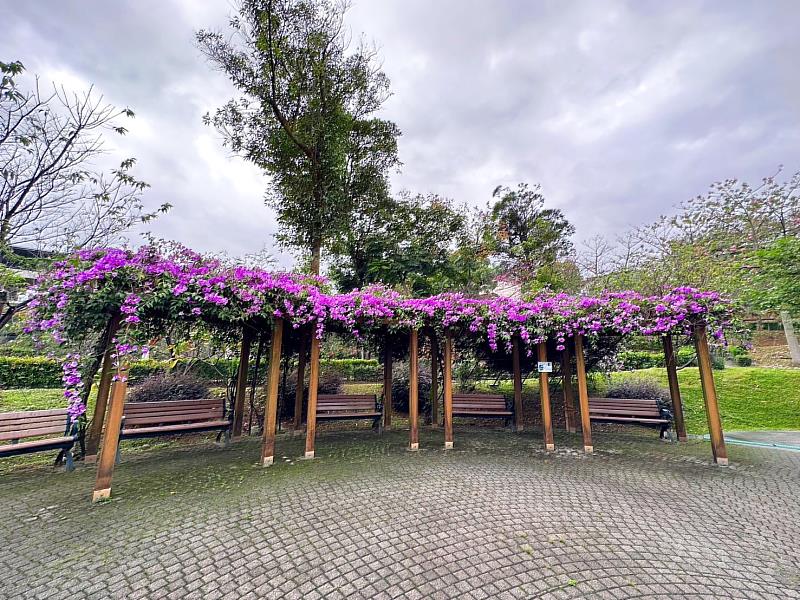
(32, 424)
(33, 445)
(173, 418)
(29, 414)
(348, 406)
(182, 428)
(481, 405)
(177, 405)
(26, 433)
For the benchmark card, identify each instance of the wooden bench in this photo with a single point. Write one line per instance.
(648, 412)
(482, 406)
(174, 417)
(54, 428)
(331, 407)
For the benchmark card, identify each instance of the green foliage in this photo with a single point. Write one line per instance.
(414, 243)
(775, 276)
(529, 236)
(306, 115)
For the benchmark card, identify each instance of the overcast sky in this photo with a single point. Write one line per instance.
(619, 109)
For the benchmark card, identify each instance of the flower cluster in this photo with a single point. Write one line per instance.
(155, 286)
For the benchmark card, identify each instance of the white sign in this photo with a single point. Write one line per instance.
(544, 367)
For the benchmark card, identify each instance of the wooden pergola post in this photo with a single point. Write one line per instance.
(271, 404)
(569, 393)
(103, 391)
(413, 390)
(674, 388)
(434, 381)
(108, 452)
(447, 380)
(241, 383)
(710, 396)
(92, 442)
(544, 395)
(313, 383)
(301, 381)
(387, 386)
(517, 384)
(583, 395)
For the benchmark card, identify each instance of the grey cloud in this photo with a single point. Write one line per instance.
(620, 109)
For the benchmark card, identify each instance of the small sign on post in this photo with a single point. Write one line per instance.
(544, 367)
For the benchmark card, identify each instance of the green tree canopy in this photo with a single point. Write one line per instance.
(307, 113)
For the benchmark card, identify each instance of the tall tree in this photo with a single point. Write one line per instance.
(530, 238)
(307, 113)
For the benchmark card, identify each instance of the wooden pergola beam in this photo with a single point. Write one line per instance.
(447, 379)
(313, 384)
(271, 404)
(108, 452)
(570, 418)
(674, 388)
(387, 386)
(718, 448)
(583, 395)
(241, 383)
(413, 390)
(517, 375)
(544, 395)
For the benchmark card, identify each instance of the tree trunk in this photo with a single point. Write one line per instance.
(791, 337)
(316, 253)
(97, 357)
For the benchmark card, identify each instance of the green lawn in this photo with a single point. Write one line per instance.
(750, 398)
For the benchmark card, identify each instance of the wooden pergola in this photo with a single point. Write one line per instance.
(113, 385)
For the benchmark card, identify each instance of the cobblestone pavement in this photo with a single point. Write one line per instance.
(494, 518)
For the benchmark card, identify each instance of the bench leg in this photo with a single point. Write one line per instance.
(118, 457)
(70, 464)
(377, 423)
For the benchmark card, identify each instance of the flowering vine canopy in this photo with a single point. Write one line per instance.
(155, 286)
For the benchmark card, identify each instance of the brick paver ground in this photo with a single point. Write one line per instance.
(494, 518)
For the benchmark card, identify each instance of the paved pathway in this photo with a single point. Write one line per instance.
(494, 518)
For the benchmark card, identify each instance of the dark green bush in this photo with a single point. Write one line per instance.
(637, 387)
(400, 388)
(171, 386)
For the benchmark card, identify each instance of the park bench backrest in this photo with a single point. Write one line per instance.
(625, 407)
(489, 403)
(346, 403)
(145, 414)
(33, 423)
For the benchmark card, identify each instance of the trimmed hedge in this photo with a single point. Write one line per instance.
(42, 372)
(353, 369)
(29, 372)
(632, 360)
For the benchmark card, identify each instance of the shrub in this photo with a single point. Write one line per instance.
(638, 387)
(29, 372)
(171, 386)
(400, 388)
(330, 382)
(353, 369)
